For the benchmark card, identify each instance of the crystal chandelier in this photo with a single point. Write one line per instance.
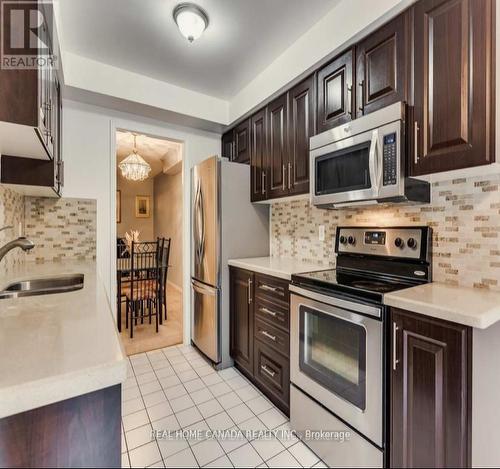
(134, 167)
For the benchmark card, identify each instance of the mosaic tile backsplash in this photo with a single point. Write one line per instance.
(464, 215)
(61, 228)
(12, 214)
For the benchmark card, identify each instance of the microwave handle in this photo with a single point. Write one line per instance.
(374, 164)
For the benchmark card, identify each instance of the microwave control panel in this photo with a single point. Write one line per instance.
(390, 156)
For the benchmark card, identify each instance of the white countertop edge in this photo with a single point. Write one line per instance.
(35, 394)
(260, 269)
(485, 320)
(278, 267)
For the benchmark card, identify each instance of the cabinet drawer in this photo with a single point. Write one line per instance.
(272, 336)
(271, 288)
(272, 372)
(276, 314)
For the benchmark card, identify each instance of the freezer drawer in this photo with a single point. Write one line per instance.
(205, 307)
(353, 451)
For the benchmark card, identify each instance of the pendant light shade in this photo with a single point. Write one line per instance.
(134, 167)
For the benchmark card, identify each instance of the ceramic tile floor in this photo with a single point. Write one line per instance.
(174, 388)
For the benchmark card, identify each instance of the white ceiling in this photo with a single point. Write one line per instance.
(243, 38)
(161, 154)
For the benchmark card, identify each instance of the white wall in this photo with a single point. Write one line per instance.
(88, 152)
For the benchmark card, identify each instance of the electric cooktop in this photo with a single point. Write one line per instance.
(361, 285)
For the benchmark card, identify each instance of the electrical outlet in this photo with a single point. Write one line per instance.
(321, 232)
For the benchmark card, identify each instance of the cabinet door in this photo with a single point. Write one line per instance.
(228, 145)
(335, 97)
(258, 156)
(430, 392)
(241, 318)
(453, 85)
(301, 128)
(277, 120)
(242, 143)
(381, 72)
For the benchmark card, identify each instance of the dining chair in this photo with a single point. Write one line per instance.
(142, 292)
(167, 242)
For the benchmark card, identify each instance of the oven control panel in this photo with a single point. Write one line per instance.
(390, 158)
(404, 242)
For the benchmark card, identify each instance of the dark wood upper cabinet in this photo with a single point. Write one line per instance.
(241, 318)
(430, 392)
(228, 145)
(31, 103)
(453, 83)
(258, 156)
(277, 122)
(242, 143)
(382, 61)
(335, 94)
(302, 103)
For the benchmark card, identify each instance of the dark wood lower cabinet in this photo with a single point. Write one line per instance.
(430, 392)
(241, 318)
(80, 432)
(260, 335)
(272, 374)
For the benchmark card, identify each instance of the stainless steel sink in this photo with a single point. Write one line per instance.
(43, 286)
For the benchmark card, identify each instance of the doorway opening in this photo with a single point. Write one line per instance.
(149, 241)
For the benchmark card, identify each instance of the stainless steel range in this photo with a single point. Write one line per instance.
(339, 336)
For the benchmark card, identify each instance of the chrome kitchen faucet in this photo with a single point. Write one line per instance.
(24, 243)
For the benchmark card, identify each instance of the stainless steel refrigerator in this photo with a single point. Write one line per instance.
(225, 225)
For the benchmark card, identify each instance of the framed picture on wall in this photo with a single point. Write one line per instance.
(142, 206)
(118, 206)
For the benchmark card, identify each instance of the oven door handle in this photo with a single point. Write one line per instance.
(374, 164)
(372, 311)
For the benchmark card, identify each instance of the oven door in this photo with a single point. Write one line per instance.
(352, 169)
(336, 357)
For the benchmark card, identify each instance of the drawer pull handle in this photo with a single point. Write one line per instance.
(269, 336)
(263, 286)
(395, 360)
(268, 311)
(265, 369)
(249, 291)
(416, 142)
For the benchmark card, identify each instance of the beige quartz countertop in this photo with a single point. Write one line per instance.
(468, 306)
(276, 266)
(59, 346)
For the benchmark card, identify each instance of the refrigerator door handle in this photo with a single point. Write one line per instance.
(202, 234)
(195, 225)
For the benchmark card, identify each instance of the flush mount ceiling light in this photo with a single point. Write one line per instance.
(191, 20)
(134, 167)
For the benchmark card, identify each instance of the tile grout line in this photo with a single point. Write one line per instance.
(203, 419)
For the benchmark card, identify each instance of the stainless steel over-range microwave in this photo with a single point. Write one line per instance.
(363, 162)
